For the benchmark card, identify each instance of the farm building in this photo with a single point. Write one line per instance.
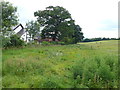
(21, 32)
(24, 35)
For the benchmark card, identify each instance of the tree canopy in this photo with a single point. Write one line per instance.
(33, 28)
(9, 17)
(58, 24)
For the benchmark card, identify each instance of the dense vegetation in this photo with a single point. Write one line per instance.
(9, 20)
(83, 65)
(12, 41)
(9, 17)
(58, 24)
(53, 23)
(61, 64)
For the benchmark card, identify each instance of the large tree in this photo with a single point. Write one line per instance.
(9, 17)
(57, 23)
(78, 35)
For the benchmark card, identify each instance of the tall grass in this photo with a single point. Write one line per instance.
(83, 65)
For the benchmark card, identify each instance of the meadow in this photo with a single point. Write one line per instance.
(82, 65)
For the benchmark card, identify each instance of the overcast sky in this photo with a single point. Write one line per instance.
(97, 18)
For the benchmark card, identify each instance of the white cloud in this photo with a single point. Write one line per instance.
(87, 13)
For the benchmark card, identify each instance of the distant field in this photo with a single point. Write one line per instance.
(83, 65)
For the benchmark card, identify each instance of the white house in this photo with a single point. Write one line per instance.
(22, 33)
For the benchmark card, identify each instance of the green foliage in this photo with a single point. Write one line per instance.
(60, 43)
(97, 39)
(95, 74)
(52, 43)
(46, 43)
(5, 41)
(78, 36)
(12, 41)
(62, 66)
(58, 24)
(91, 40)
(16, 41)
(33, 28)
(9, 17)
(51, 83)
(67, 40)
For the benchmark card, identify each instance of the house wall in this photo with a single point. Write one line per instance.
(25, 37)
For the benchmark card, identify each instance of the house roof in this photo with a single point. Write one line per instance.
(21, 31)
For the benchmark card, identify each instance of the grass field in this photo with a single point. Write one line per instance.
(83, 65)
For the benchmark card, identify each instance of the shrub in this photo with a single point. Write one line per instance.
(57, 43)
(61, 43)
(12, 41)
(53, 43)
(16, 41)
(5, 41)
(45, 43)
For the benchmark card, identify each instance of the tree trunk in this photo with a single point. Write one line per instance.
(54, 36)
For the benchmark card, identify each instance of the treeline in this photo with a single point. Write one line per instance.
(53, 23)
(98, 39)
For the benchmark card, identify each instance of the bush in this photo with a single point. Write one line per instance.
(5, 41)
(61, 43)
(57, 43)
(16, 41)
(12, 41)
(45, 43)
(53, 43)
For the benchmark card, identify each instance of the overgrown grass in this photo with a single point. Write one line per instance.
(83, 65)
